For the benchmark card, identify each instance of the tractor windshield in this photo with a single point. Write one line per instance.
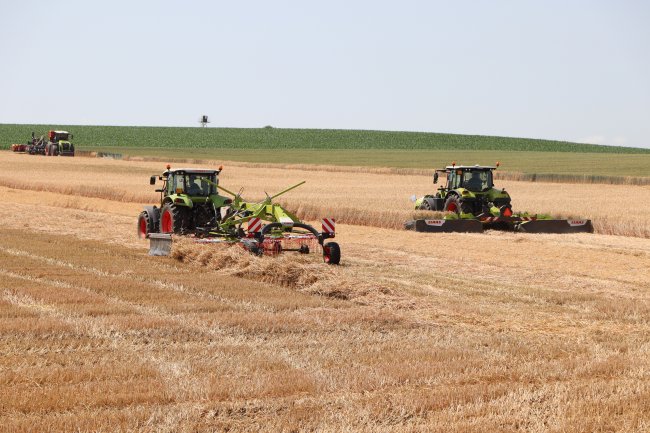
(195, 184)
(61, 136)
(477, 180)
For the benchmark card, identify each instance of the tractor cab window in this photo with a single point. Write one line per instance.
(454, 179)
(477, 180)
(195, 184)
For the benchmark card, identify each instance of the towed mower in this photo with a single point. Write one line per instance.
(190, 205)
(471, 203)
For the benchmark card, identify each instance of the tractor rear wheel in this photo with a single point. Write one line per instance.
(173, 219)
(146, 225)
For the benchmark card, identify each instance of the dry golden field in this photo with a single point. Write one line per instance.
(494, 332)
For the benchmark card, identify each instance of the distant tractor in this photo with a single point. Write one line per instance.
(59, 144)
(54, 144)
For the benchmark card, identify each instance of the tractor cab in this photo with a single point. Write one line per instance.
(192, 182)
(56, 136)
(473, 178)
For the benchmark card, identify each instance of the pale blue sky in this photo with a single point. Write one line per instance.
(570, 70)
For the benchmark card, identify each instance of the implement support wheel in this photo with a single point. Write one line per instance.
(332, 253)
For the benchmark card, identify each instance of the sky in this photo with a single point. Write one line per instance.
(569, 70)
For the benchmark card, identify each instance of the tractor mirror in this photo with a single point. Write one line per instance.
(152, 180)
(435, 177)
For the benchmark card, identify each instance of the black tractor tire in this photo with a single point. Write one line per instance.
(174, 219)
(146, 225)
(54, 150)
(425, 205)
(332, 253)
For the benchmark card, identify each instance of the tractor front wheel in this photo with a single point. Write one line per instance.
(455, 204)
(173, 219)
(332, 253)
(452, 204)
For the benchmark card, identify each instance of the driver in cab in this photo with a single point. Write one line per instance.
(474, 183)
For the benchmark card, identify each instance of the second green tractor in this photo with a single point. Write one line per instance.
(470, 202)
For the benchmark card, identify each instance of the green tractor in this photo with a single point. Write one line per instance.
(189, 200)
(471, 203)
(191, 205)
(58, 144)
(469, 192)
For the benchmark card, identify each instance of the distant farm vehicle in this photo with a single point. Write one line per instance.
(59, 144)
(471, 203)
(54, 144)
(190, 204)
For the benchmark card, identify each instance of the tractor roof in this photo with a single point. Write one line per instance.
(470, 167)
(61, 132)
(194, 170)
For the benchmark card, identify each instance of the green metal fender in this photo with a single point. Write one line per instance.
(179, 200)
(219, 200)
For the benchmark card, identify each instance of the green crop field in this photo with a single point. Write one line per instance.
(273, 138)
(354, 148)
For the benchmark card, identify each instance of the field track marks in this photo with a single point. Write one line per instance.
(131, 277)
(63, 275)
(193, 323)
(175, 373)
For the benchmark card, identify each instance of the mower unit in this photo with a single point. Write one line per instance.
(190, 205)
(471, 203)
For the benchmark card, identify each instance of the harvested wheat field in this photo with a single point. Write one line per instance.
(413, 332)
